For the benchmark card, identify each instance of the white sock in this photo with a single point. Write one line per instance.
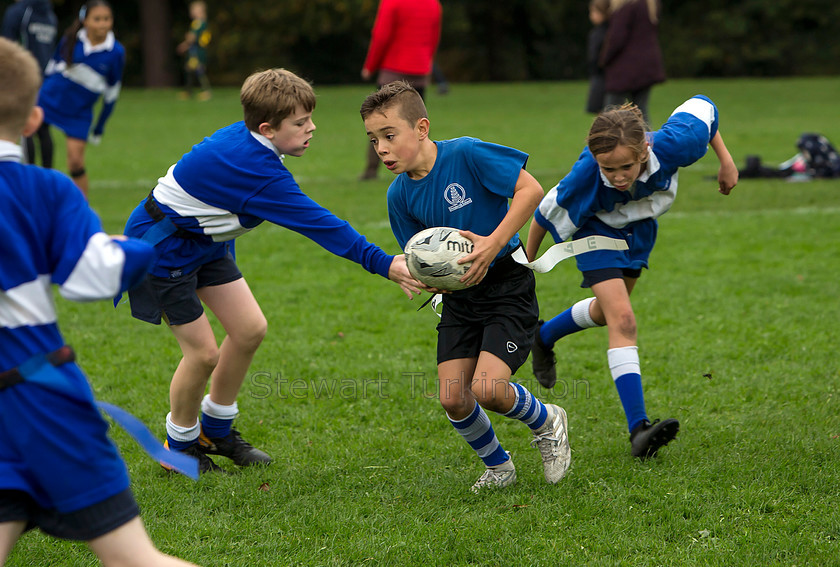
(181, 433)
(219, 411)
(581, 315)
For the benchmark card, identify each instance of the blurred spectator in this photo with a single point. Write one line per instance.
(598, 13)
(33, 24)
(632, 58)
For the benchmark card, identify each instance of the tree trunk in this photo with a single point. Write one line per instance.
(156, 42)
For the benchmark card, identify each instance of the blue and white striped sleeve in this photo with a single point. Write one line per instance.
(702, 108)
(685, 137)
(89, 265)
(570, 203)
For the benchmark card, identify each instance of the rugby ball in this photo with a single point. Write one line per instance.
(432, 257)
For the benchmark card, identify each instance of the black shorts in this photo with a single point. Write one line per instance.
(500, 316)
(592, 277)
(175, 297)
(82, 525)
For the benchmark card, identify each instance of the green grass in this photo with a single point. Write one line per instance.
(738, 338)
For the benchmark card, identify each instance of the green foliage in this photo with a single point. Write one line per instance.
(326, 40)
(751, 38)
(738, 339)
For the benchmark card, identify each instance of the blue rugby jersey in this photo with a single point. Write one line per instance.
(227, 185)
(70, 92)
(585, 194)
(468, 188)
(53, 440)
(49, 235)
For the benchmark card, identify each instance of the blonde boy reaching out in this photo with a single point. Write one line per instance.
(486, 330)
(224, 187)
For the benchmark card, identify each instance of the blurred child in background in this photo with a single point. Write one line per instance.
(87, 65)
(194, 51)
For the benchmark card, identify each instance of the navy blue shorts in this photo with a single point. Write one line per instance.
(500, 316)
(175, 297)
(82, 525)
(593, 277)
(56, 458)
(600, 265)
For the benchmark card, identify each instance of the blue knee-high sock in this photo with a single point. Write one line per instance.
(477, 430)
(626, 372)
(575, 318)
(527, 408)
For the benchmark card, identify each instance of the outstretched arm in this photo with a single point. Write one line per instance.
(728, 173)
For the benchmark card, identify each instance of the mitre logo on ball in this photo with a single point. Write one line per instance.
(432, 257)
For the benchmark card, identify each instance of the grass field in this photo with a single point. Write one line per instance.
(738, 340)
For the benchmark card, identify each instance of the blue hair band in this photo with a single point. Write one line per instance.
(83, 13)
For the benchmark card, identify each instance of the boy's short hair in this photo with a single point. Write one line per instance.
(20, 79)
(398, 94)
(271, 95)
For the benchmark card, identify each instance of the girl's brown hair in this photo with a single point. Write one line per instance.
(619, 126)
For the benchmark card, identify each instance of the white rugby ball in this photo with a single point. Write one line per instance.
(432, 257)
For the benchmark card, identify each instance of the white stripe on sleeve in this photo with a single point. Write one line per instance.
(112, 93)
(701, 108)
(556, 215)
(86, 76)
(98, 273)
(28, 304)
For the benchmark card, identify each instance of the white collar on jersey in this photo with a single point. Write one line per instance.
(89, 48)
(267, 143)
(652, 167)
(10, 151)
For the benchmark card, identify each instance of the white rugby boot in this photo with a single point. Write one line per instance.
(499, 476)
(552, 440)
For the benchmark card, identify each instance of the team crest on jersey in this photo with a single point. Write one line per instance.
(456, 196)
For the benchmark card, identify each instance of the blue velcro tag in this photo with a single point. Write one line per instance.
(184, 464)
(158, 231)
(37, 370)
(32, 366)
